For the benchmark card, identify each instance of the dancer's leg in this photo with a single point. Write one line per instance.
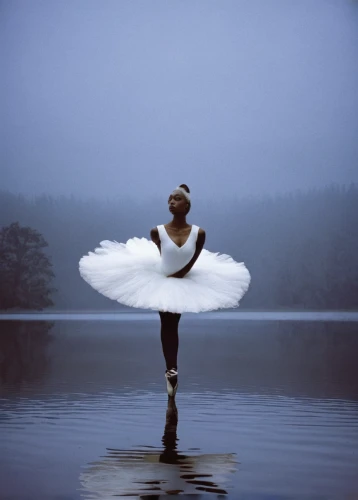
(170, 338)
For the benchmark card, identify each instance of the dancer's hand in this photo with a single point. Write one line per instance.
(178, 274)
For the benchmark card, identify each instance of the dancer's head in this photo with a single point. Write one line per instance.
(179, 200)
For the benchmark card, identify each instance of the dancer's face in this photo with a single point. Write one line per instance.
(177, 203)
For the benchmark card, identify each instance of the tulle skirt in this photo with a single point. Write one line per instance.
(131, 274)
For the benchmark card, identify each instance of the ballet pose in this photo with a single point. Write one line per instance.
(171, 274)
(187, 239)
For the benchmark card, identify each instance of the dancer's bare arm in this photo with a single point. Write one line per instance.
(154, 234)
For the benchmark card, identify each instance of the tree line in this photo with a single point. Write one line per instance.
(301, 247)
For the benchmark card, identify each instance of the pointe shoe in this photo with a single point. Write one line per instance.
(171, 377)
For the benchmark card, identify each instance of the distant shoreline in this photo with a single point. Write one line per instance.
(240, 314)
(134, 310)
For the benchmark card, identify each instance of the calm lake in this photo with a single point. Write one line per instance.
(266, 409)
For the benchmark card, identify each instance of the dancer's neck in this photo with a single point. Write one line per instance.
(179, 221)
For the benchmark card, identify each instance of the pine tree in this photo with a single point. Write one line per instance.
(25, 269)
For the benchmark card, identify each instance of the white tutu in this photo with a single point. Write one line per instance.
(132, 274)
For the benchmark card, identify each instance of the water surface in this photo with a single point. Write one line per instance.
(264, 410)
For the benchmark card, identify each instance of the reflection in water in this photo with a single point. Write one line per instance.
(292, 386)
(23, 351)
(148, 470)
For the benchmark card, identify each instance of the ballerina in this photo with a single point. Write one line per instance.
(172, 273)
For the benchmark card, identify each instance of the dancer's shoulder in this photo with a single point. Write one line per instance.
(201, 231)
(154, 234)
(201, 235)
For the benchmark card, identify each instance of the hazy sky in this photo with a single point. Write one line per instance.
(245, 96)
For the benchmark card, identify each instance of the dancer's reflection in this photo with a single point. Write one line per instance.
(154, 471)
(190, 464)
(169, 439)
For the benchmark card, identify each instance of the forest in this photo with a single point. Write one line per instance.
(300, 247)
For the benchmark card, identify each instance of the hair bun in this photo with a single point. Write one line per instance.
(184, 186)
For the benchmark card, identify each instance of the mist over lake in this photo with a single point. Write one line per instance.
(106, 108)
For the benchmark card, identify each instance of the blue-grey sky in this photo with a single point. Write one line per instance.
(245, 96)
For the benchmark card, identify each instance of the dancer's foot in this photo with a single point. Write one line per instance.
(172, 381)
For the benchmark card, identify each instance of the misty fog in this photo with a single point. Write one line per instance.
(247, 97)
(301, 248)
(109, 105)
